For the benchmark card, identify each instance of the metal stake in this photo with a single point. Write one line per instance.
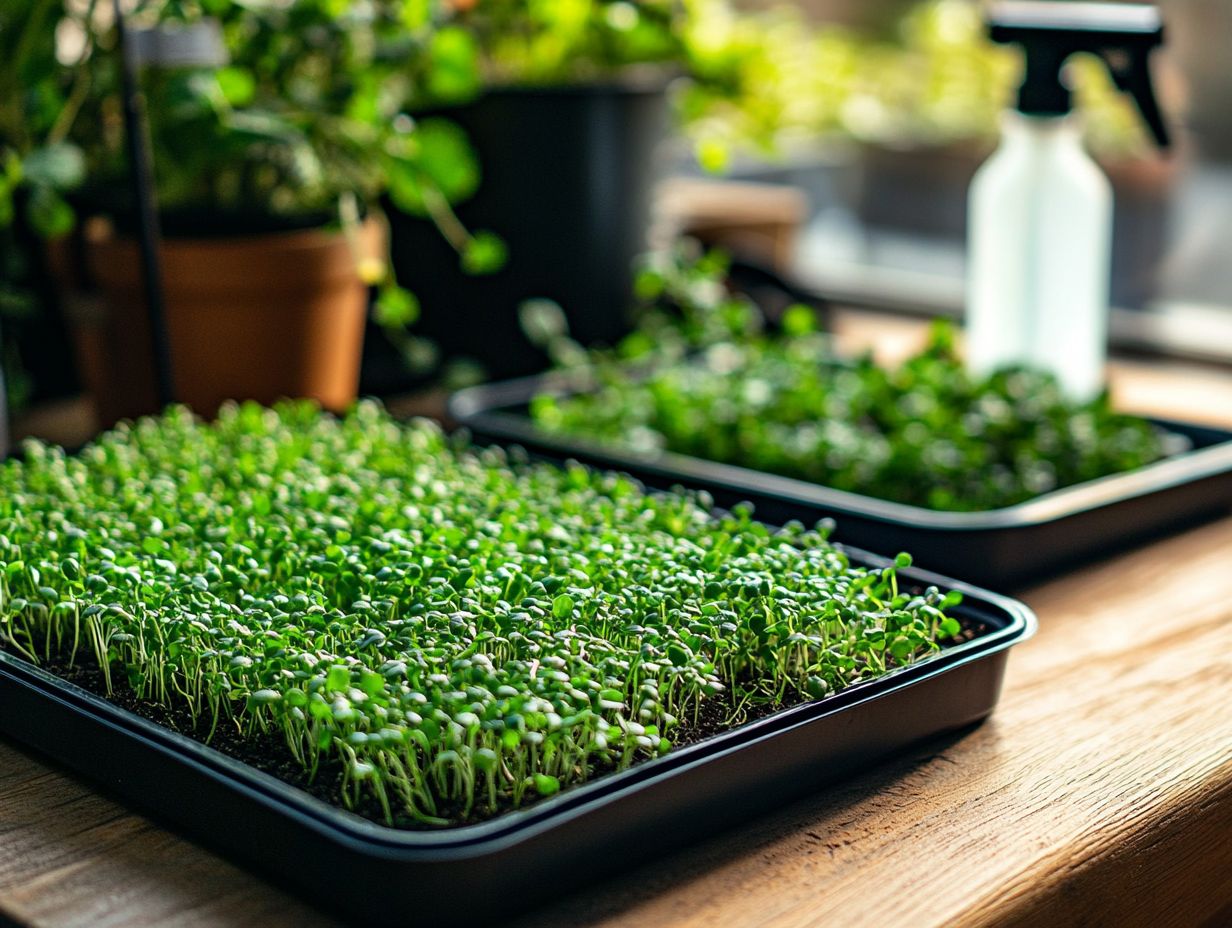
(144, 196)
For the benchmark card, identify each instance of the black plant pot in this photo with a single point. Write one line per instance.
(567, 176)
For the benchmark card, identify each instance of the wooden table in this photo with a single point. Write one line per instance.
(1100, 793)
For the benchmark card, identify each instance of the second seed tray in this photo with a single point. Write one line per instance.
(1001, 548)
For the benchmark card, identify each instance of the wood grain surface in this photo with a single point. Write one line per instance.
(1100, 793)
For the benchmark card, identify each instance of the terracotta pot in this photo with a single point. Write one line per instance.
(259, 317)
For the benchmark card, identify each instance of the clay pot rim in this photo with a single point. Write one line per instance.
(277, 261)
(101, 233)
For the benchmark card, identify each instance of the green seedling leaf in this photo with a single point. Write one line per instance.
(338, 679)
(396, 307)
(546, 785)
(439, 161)
(485, 253)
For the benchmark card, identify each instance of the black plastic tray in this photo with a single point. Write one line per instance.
(484, 873)
(1001, 548)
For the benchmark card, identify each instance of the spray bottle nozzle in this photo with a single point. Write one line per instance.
(1122, 35)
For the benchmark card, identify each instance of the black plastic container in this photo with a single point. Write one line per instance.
(999, 548)
(485, 873)
(567, 177)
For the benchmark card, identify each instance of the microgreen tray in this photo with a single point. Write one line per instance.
(483, 873)
(1000, 547)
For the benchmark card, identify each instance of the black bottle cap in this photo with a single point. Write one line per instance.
(1123, 35)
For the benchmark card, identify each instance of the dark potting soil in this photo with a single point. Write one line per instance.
(269, 752)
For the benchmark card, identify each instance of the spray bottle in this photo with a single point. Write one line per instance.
(1040, 208)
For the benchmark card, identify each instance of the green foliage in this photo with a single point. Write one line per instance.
(762, 81)
(396, 307)
(306, 109)
(319, 96)
(39, 166)
(570, 41)
(35, 154)
(485, 254)
(460, 630)
(703, 380)
(773, 80)
(436, 161)
(454, 65)
(943, 81)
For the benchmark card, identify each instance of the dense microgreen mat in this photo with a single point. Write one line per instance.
(458, 631)
(703, 379)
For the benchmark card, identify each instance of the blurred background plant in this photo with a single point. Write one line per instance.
(39, 165)
(932, 78)
(301, 123)
(939, 80)
(295, 120)
(539, 42)
(305, 118)
(317, 113)
(308, 105)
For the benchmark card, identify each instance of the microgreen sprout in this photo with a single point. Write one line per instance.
(702, 377)
(459, 631)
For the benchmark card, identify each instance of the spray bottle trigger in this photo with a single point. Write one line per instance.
(1131, 72)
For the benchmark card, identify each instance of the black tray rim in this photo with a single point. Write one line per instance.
(512, 828)
(486, 409)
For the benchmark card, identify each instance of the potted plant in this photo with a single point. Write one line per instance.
(274, 132)
(566, 107)
(307, 116)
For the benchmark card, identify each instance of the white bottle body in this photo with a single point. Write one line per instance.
(1039, 256)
